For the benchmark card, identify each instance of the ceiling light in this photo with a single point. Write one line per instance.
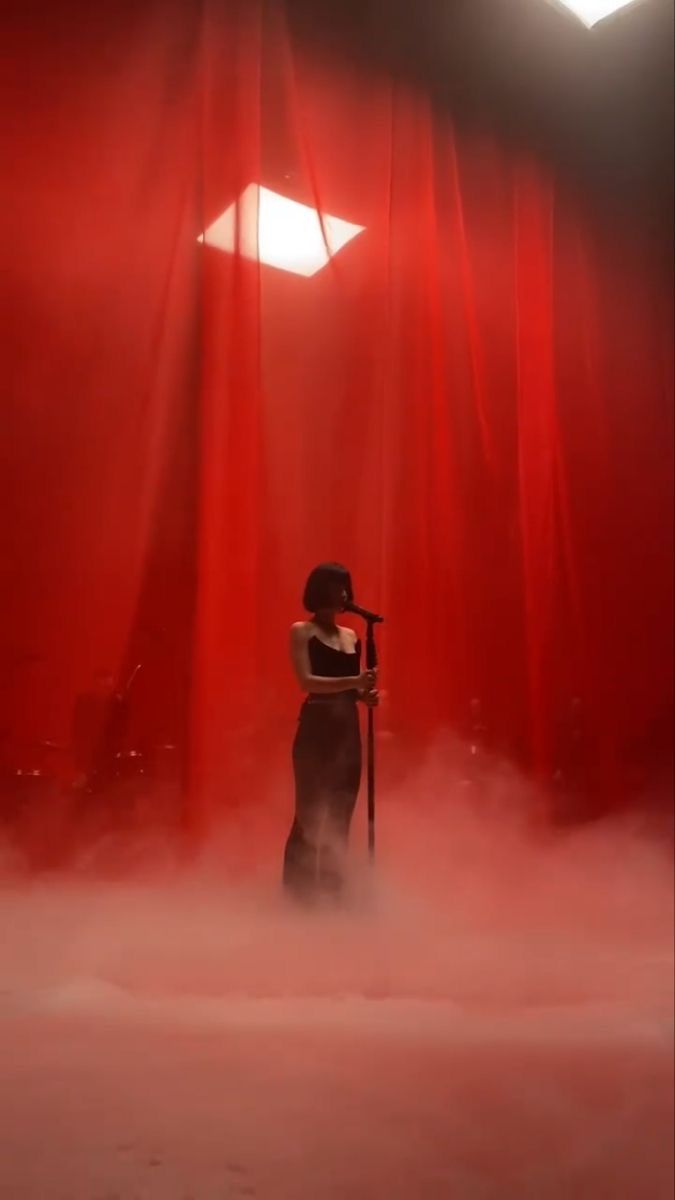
(592, 11)
(266, 227)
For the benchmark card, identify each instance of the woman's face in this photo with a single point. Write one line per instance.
(338, 595)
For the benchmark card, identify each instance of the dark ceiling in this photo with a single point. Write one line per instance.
(598, 102)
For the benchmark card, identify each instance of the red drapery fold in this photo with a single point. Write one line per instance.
(470, 404)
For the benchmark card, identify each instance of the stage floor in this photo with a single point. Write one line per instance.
(291, 1100)
(183, 1042)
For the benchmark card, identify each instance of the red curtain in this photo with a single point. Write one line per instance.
(98, 350)
(470, 404)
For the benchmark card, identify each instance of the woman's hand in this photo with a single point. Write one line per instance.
(367, 685)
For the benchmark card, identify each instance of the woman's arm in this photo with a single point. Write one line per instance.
(321, 684)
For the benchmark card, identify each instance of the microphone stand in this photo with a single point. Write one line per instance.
(371, 620)
(371, 665)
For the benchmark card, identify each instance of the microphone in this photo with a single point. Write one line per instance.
(362, 612)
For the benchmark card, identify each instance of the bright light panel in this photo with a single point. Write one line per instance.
(592, 11)
(262, 225)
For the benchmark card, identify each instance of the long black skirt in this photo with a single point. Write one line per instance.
(327, 769)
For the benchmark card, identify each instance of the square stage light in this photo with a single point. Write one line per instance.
(267, 227)
(592, 11)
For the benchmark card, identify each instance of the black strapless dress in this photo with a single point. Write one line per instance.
(327, 768)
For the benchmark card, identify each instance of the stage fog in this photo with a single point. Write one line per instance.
(488, 1013)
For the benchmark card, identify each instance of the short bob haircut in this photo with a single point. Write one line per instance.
(318, 592)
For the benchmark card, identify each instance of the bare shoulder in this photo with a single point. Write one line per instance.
(349, 634)
(301, 631)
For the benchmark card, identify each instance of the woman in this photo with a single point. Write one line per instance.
(327, 749)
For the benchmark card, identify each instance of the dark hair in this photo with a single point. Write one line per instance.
(320, 584)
